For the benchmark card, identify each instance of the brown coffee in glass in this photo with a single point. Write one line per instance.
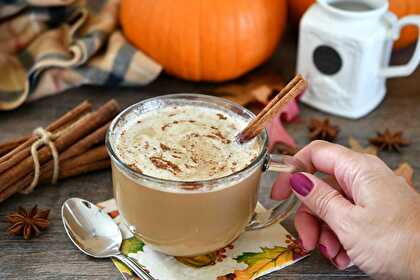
(181, 182)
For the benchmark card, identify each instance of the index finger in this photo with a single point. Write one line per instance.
(333, 159)
(325, 157)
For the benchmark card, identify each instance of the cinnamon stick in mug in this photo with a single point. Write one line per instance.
(294, 88)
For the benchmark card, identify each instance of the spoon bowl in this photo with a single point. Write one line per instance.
(95, 233)
(91, 230)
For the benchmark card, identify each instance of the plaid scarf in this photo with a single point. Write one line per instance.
(48, 46)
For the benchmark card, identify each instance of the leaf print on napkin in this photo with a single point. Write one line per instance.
(260, 262)
(131, 245)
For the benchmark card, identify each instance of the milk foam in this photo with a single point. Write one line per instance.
(185, 143)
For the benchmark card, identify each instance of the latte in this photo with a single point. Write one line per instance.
(181, 139)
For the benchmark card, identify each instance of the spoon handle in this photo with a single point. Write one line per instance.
(135, 267)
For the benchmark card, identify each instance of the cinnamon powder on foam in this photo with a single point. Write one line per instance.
(186, 143)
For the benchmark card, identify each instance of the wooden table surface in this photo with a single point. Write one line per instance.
(53, 256)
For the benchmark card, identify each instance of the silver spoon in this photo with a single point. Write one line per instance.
(95, 233)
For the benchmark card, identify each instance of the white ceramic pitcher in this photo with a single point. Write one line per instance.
(344, 53)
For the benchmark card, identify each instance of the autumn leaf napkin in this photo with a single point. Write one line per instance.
(253, 254)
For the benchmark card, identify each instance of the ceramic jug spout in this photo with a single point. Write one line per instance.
(355, 9)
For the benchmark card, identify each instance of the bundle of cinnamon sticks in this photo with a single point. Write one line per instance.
(79, 141)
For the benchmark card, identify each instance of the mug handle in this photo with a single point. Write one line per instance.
(407, 69)
(277, 163)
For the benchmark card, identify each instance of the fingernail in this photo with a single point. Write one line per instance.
(301, 184)
(323, 250)
(334, 262)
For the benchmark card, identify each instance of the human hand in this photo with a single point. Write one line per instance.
(361, 213)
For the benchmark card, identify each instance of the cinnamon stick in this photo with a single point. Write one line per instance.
(25, 152)
(16, 154)
(86, 168)
(68, 168)
(294, 88)
(77, 149)
(79, 170)
(12, 144)
(69, 136)
(96, 137)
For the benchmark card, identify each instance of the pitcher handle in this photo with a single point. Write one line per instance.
(407, 69)
(285, 164)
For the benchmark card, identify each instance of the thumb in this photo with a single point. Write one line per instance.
(322, 199)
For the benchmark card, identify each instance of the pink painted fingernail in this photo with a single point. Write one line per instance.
(301, 184)
(333, 261)
(323, 250)
(341, 266)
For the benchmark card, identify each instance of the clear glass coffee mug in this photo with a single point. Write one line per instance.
(181, 222)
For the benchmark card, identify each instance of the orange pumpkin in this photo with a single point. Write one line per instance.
(400, 7)
(205, 40)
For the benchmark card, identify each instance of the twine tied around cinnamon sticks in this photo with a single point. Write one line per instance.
(45, 138)
(75, 142)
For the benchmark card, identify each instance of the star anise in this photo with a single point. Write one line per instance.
(28, 223)
(322, 130)
(388, 140)
(284, 149)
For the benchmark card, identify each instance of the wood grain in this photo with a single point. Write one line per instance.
(53, 256)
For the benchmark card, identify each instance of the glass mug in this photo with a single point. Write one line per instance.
(182, 222)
